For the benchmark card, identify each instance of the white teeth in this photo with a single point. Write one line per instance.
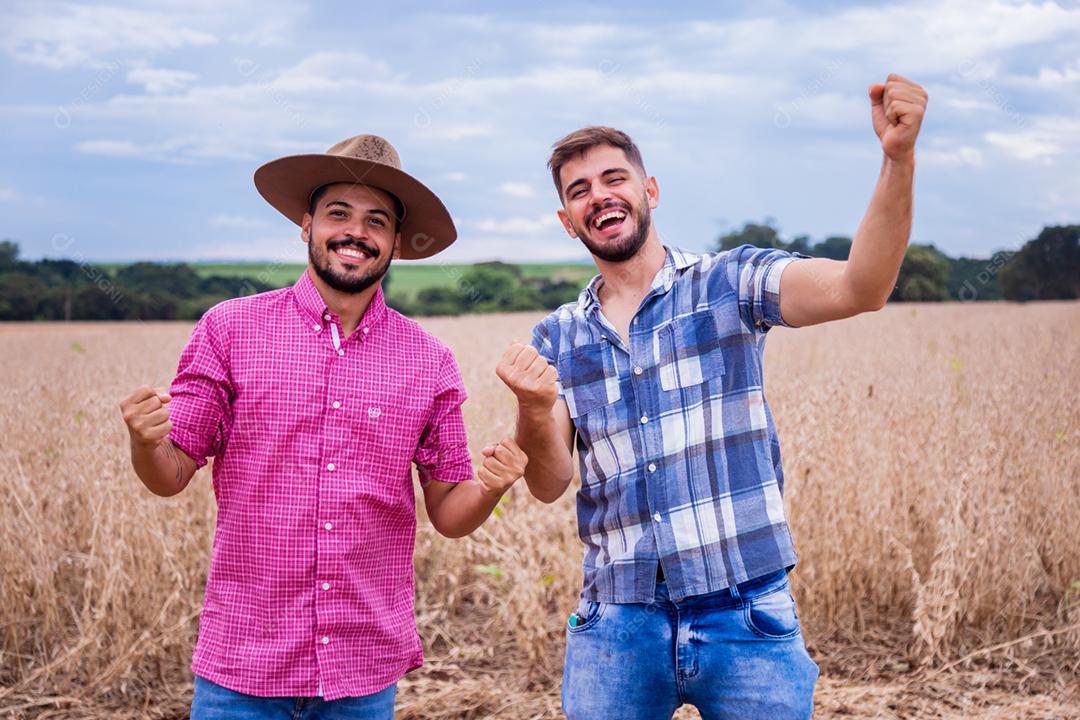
(351, 252)
(618, 214)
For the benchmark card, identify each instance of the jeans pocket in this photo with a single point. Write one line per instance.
(772, 615)
(588, 614)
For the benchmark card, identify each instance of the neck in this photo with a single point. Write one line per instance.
(350, 307)
(632, 278)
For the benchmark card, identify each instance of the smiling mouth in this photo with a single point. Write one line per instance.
(610, 221)
(352, 255)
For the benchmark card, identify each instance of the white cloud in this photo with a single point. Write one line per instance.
(517, 189)
(965, 155)
(511, 248)
(238, 222)
(160, 80)
(59, 35)
(272, 251)
(1025, 145)
(515, 225)
(454, 176)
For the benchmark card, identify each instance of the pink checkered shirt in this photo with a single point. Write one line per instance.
(311, 587)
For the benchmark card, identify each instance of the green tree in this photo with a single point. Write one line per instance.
(835, 247)
(1046, 268)
(763, 235)
(178, 280)
(924, 275)
(9, 254)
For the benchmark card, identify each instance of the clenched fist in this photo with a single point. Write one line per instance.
(146, 413)
(897, 109)
(529, 375)
(503, 465)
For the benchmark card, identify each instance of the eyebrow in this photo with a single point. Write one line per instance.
(372, 211)
(580, 181)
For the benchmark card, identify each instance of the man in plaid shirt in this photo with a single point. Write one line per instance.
(656, 370)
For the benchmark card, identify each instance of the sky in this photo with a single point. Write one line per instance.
(131, 131)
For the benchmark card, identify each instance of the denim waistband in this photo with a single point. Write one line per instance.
(748, 588)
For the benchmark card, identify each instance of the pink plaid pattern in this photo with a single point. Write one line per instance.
(311, 579)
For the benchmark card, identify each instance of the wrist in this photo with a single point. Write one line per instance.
(904, 162)
(535, 411)
(493, 495)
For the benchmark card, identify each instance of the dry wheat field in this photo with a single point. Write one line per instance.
(933, 465)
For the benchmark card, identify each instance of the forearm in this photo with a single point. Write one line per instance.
(882, 237)
(551, 465)
(163, 468)
(464, 508)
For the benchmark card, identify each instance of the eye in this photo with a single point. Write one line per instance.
(337, 213)
(578, 193)
(378, 221)
(616, 180)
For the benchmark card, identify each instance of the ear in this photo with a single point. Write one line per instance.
(397, 247)
(565, 220)
(305, 228)
(652, 191)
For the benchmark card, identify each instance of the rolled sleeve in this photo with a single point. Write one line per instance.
(200, 409)
(443, 452)
(757, 274)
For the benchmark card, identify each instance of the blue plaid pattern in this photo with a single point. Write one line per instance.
(679, 457)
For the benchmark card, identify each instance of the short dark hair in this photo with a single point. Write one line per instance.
(581, 141)
(317, 195)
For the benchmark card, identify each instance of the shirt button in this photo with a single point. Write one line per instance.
(366, 330)
(326, 316)
(336, 404)
(638, 370)
(316, 328)
(326, 586)
(656, 517)
(325, 640)
(652, 467)
(328, 526)
(330, 466)
(644, 419)
(341, 351)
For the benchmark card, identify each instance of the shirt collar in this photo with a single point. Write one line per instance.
(675, 260)
(313, 306)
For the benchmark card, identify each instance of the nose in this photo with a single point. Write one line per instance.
(599, 196)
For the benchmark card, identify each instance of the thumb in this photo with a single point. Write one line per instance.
(163, 395)
(488, 450)
(877, 109)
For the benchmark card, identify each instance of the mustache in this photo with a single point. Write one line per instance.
(353, 242)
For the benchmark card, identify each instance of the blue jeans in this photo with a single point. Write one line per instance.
(736, 653)
(213, 702)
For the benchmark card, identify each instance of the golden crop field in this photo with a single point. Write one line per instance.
(933, 486)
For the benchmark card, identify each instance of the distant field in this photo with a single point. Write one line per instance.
(405, 277)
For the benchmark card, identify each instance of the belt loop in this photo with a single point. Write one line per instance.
(734, 589)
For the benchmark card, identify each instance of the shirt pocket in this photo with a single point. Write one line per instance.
(589, 378)
(690, 351)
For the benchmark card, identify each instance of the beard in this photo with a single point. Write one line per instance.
(627, 246)
(348, 281)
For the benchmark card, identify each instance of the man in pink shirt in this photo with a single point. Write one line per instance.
(314, 401)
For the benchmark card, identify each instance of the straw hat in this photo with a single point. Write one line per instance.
(288, 183)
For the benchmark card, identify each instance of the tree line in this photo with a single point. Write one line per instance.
(1045, 268)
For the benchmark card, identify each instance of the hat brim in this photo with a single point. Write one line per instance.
(287, 184)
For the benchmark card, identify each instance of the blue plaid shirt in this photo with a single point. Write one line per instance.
(679, 457)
